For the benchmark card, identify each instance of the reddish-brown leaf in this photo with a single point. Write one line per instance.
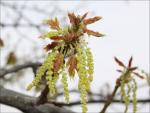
(91, 20)
(58, 62)
(93, 33)
(57, 38)
(72, 62)
(137, 74)
(130, 62)
(120, 71)
(70, 37)
(54, 24)
(133, 68)
(84, 16)
(51, 46)
(74, 19)
(119, 62)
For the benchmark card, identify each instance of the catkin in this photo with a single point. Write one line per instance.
(83, 85)
(134, 96)
(41, 71)
(65, 86)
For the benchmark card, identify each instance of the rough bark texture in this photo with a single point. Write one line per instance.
(26, 103)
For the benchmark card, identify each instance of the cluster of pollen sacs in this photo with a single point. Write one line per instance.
(85, 72)
(85, 67)
(128, 87)
(68, 56)
(46, 66)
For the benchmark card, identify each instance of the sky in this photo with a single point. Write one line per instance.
(126, 26)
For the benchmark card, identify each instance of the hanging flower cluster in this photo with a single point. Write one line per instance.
(127, 81)
(68, 55)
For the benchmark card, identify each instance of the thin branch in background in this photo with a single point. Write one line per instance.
(97, 101)
(16, 68)
(110, 98)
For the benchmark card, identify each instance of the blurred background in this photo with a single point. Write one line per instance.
(125, 24)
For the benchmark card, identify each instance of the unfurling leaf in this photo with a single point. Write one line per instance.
(93, 33)
(84, 16)
(54, 24)
(71, 17)
(58, 62)
(74, 19)
(119, 62)
(11, 59)
(130, 62)
(91, 20)
(70, 37)
(56, 38)
(51, 46)
(133, 68)
(120, 71)
(72, 63)
(138, 75)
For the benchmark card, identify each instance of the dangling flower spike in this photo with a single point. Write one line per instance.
(128, 81)
(68, 56)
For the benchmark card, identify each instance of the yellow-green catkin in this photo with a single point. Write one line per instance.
(90, 63)
(47, 65)
(38, 77)
(50, 76)
(123, 93)
(123, 87)
(51, 82)
(83, 84)
(127, 97)
(83, 96)
(134, 96)
(65, 85)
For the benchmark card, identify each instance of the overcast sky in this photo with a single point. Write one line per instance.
(126, 25)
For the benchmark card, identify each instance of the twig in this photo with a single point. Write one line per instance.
(43, 97)
(110, 99)
(16, 68)
(94, 101)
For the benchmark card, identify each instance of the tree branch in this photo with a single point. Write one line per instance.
(94, 101)
(43, 97)
(26, 103)
(110, 98)
(17, 100)
(16, 68)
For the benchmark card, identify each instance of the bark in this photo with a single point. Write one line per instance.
(26, 103)
(16, 68)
